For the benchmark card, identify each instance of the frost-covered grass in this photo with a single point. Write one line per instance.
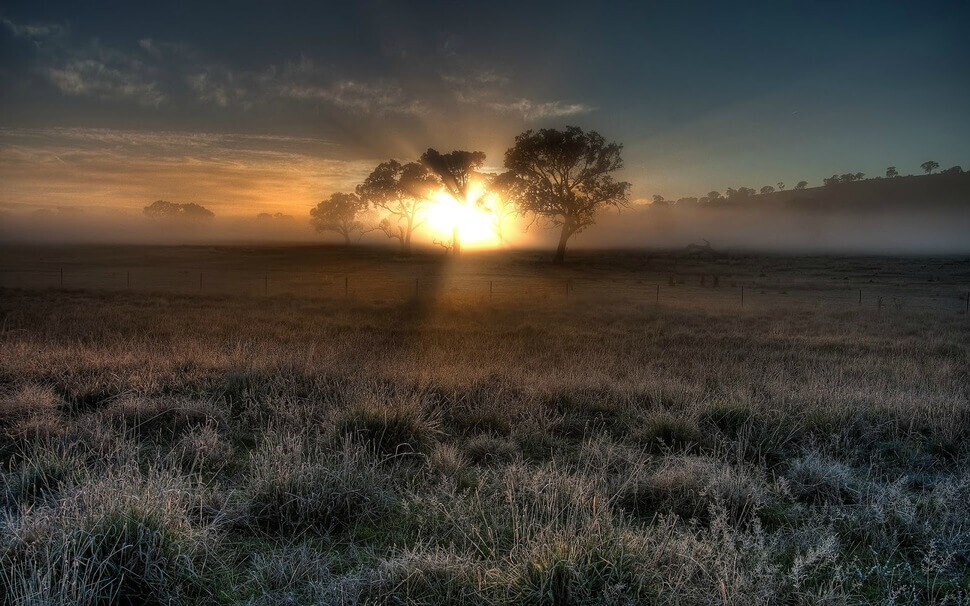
(281, 450)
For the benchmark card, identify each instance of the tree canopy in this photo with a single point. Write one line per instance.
(163, 209)
(339, 214)
(402, 192)
(566, 177)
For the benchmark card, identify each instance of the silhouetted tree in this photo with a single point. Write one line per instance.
(953, 170)
(860, 176)
(848, 177)
(834, 179)
(400, 190)
(687, 201)
(162, 209)
(801, 185)
(339, 213)
(929, 166)
(891, 172)
(781, 186)
(456, 170)
(767, 189)
(740, 193)
(714, 196)
(659, 201)
(567, 175)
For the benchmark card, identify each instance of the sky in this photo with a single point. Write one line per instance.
(250, 107)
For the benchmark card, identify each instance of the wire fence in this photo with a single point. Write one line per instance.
(692, 291)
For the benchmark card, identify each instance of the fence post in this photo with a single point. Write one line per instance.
(968, 302)
(742, 295)
(489, 290)
(265, 284)
(567, 288)
(658, 294)
(62, 277)
(415, 286)
(128, 280)
(860, 296)
(346, 286)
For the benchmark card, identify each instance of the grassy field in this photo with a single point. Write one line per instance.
(161, 446)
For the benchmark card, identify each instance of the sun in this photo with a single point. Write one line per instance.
(475, 225)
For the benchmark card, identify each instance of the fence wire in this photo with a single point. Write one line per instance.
(684, 291)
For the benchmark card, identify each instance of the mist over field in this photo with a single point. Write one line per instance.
(924, 226)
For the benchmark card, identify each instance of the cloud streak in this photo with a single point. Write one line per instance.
(158, 72)
(532, 110)
(232, 174)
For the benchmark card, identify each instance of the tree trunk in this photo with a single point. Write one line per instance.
(455, 241)
(406, 244)
(561, 249)
(346, 238)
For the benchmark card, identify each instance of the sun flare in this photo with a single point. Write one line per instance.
(475, 224)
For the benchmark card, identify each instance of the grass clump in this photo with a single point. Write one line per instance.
(663, 430)
(691, 488)
(818, 480)
(117, 540)
(399, 426)
(303, 488)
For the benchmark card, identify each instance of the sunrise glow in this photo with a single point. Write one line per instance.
(475, 224)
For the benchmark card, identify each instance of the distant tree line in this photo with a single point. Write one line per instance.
(163, 209)
(561, 177)
(744, 193)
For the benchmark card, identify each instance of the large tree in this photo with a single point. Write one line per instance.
(340, 213)
(402, 191)
(457, 171)
(929, 166)
(567, 177)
